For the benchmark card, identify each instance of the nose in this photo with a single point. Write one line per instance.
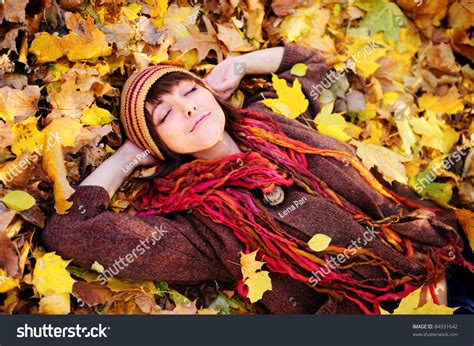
(191, 110)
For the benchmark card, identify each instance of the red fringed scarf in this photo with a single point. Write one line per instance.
(219, 190)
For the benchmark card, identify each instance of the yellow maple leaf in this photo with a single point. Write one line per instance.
(307, 27)
(409, 306)
(364, 52)
(50, 275)
(249, 264)
(65, 129)
(131, 11)
(435, 133)
(85, 41)
(158, 11)
(27, 136)
(388, 162)
(179, 18)
(258, 282)
(331, 124)
(47, 47)
(96, 116)
(291, 101)
(450, 103)
(319, 242)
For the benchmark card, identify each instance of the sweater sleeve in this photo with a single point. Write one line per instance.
(294, 53)
(138, 248)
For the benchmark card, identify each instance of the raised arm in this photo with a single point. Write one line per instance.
(141, 248)
(113, 171)
(294, 53)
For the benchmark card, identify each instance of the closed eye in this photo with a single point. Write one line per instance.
(162, 120)
(190, 91)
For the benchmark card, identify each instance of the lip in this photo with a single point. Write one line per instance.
(199, 120)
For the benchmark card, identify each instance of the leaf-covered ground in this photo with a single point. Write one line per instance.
(400, 90)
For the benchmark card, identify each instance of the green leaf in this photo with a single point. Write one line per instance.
(386, 17)
(424, 185)
(18, 200)
(299, 69)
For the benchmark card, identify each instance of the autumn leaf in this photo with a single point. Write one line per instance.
(364, 52)
(202, 42)
(435, 133)
(466, 219)
(47, 47)
(291, 101)
(382, 16)
(410, 306)
(85, 41)
(423, 183)
(55, 304)
(50, 275)
(6, 282)
(299, 69)
(307, 26)
(68, 100)
(96, 116)
(234, 39)
(27, 137)
(258, 281)
(387, 161)
(331, 124)
(18, 200)
(451, 103)
(18, 104)
(53, 165)
(319, 242)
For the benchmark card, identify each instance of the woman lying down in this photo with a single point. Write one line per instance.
(232, 181)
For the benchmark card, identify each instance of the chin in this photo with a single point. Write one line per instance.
(209, 136)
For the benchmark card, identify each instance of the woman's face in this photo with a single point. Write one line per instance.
(188, 119)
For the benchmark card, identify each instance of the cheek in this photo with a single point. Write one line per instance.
(172, 134)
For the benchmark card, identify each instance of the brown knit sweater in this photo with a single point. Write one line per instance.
(194, 249)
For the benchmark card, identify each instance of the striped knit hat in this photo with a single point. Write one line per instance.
(132, 105)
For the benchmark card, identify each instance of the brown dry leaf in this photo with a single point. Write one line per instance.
(67, 100)
(13, 11)
(91, 294)
(119, 33)
(8, 256)
(6, 217)
(202, 42)
(424, 12)
(461, 14)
